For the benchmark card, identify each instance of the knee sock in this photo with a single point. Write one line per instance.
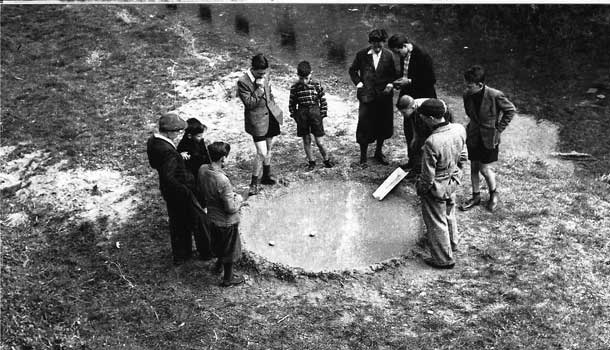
(254, 180)
(266, 170)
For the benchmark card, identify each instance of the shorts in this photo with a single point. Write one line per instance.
(309, 121)
(480, 153)
(226, 243)
(273, 130)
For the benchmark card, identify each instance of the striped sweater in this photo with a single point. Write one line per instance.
(307, 94)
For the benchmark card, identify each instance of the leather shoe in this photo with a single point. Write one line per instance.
(235, 280)
(268, 180)
(382, 159)
(493, 201)
(253, 190)
(432, 263)
(471, 203)
(363, 163)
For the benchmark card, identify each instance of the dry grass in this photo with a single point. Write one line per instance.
(85, 84)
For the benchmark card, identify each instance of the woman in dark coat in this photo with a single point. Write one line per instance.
(373, 72)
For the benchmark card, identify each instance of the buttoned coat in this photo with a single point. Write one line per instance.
(490, 120)
(374, 80)
(376, 111)
(257, 106)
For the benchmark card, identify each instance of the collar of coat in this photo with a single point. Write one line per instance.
(251, 76)
(371, 52)
(159, 136)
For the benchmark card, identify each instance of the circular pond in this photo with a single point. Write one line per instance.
(331, 225)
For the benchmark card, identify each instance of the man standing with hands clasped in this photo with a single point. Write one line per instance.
(373, 72)
(444, 153)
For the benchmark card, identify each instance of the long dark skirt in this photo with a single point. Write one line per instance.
(375, 120)
(226, 243)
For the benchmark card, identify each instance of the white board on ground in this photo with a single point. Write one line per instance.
(395, 177)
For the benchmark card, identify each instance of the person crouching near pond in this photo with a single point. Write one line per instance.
(262, 119)
(308, 107)
(178, 188)
(223, 211)
(408, 107)
(443, 154)
(192, 146)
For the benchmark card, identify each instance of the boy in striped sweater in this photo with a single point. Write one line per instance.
(307, 106)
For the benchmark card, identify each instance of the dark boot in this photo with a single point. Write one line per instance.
(311, 166)
(254, 186)
(363, 153)
(379, 154)
(267, 179)
(381, 158)
(493, 201)
(472, 202)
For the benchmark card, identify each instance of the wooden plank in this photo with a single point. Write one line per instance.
(395, 177)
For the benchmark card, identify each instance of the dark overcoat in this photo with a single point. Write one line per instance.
(177, 185)
(421, 73)
(376, 113)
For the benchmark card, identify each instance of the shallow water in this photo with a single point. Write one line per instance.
(332, 225)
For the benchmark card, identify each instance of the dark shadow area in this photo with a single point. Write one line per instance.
(287, 32)
(205, 13)
(242, 24)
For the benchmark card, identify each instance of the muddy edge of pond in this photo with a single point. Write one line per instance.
(374, 174)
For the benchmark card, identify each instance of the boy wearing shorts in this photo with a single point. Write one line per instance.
(307, 106)
(262, 119)
(223, 211)
(490, 112)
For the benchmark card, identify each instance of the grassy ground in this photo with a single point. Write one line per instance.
(84, 85)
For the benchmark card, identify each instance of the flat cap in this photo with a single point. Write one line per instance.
(171, 122)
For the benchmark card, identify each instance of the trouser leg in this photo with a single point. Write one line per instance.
(201, 232)
(434, 212)
(180, 231)
(454, 237)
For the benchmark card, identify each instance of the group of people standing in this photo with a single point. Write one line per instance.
(201, 200)
(437, 147)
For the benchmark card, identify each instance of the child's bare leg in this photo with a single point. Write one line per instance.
(307, 147)
(490, 177)
(320, 142)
